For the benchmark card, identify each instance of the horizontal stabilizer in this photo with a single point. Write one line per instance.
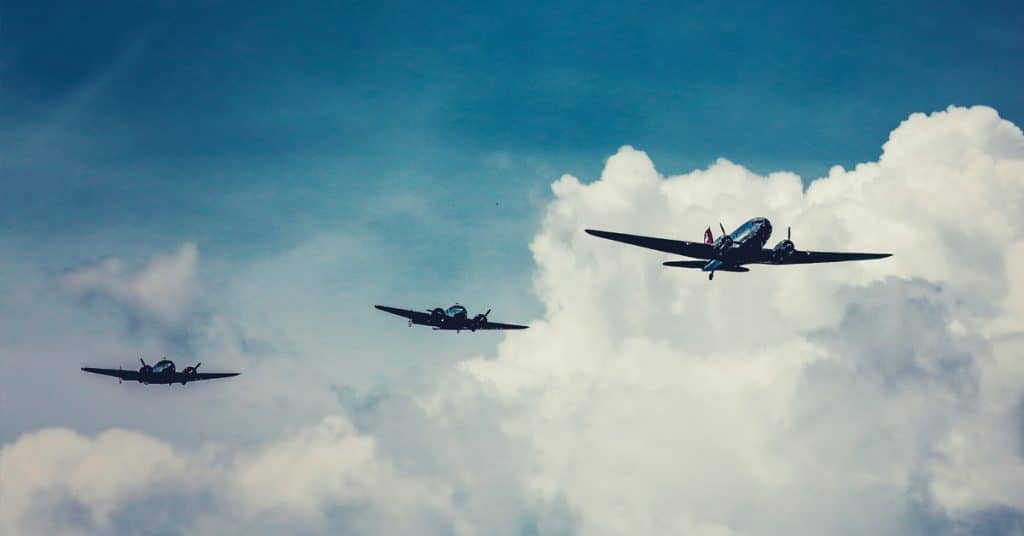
(700, 264)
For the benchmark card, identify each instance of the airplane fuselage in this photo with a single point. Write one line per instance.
(164, 372)
(741, 245)
(164, 378)
(459, 322)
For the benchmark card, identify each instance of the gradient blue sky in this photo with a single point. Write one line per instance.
(429, 133)
(247, 126)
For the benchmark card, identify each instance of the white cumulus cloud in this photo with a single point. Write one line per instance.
(56, 481)
(869, 397)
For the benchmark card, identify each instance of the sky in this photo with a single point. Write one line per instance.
(238, 184)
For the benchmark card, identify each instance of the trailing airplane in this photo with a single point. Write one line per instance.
(160, 373)
(731, 251)
(455, 318)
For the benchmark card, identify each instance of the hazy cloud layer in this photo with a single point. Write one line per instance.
(163, 291)
(882, 397)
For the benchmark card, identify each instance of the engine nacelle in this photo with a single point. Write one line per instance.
(783, 250)
(724, 243)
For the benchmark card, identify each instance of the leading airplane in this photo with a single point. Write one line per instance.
(731, 251)
(455, 318)
(160, 373)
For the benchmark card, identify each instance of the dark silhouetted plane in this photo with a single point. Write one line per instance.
(162, 372)
(455, 318)
(730, 252)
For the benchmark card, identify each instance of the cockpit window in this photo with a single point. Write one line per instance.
(163, 365)
(456, 310)
(743, 231)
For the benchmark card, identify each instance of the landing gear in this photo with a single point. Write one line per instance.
(711, 275)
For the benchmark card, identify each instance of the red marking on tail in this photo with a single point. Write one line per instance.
(708, 237)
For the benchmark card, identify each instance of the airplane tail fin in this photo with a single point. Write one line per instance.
(708, 237)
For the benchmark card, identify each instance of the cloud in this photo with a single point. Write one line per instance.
(328, 465)
(58, 481)
(878, 397)
(163, 291)
(851, 398)
(53, 472)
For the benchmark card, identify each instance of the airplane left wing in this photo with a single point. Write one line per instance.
(210, 375)
(817, 257)
(499, 325)
(700, 264)
(130, 375)
(417, 317)
(695, 250)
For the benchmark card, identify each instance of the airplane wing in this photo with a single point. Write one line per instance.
(417, 317)
(700, 264)
(130, 375)
(499, 325)
(817, 257)
(210, 375)
(695, 250)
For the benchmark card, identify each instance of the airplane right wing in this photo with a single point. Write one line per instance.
(694, 250)
(130, 375)
(417, 317)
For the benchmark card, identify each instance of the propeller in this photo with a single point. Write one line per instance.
(479, 320)
(724, 241)
(788, 234)
(143, 362)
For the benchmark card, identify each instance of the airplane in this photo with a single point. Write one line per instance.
(731, 251)
(455, 318)
(160, 373)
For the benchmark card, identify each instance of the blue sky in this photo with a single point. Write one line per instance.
(249, 126)
(430, 132)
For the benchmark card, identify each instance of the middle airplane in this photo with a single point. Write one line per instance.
(455, 318)
(731, 251)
